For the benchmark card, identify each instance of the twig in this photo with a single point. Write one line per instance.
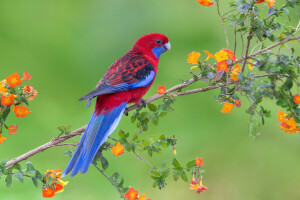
(109, 179)
(247, 49)
(144, 160)
(222, 20)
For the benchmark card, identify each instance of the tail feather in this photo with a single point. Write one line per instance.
(98, 130)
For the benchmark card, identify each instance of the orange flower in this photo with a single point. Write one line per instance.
(161, 90)
(222, 65)
(288, 124)
(14, 80)
(230, 54)
(56, 177)
(30, 92)
(118, 149)
(199, 162)
(227, 107)
(297, 98)
(131, 194)
(2, 139)
(53, 173)
(12, 129)
(205, 2)
(26, 76)
(270, 2)
(209, 55)
(48, 192)
(193, 57)
(21, 111)
(6, 101)
(234, 76)
(235, 70)
(142, 197)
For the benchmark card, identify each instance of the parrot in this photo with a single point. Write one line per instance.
(126, 81)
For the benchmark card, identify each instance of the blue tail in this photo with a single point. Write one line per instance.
(97, 131)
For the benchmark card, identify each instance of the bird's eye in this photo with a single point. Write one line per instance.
(158, 42)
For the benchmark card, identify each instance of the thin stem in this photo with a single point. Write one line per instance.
(247, 49)
(144, 160)
(222, 20)
(109, 179)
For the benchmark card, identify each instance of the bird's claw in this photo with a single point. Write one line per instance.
(143, 102)
(126, 112)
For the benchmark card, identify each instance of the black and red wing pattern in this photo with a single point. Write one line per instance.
(129, 72)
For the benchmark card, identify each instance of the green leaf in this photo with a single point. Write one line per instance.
(162, 114)
(5, 113)
(135, 137)
(155, 119)
(288, 84)
(121, 134)
(115, 176)
(17, 166)
(104, 162)
(183, 176)
(132, 118)
(121, 182)
(68, 153)
(8, 180)
(38, 175)
(190, 164)
(175, 163)
(165, 174)
(35, 181)
(145, 142)
(19, 176)
(152, 107)
(29, 166)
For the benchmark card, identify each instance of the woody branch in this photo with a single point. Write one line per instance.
(173, 92)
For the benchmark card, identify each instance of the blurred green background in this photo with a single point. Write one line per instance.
(66, 46)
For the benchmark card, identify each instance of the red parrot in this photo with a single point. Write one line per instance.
(126, 81)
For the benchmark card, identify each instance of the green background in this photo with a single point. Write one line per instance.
(66, 46)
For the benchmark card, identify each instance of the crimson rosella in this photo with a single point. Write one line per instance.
(126, 81)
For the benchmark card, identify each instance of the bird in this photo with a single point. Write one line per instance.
(126, 81)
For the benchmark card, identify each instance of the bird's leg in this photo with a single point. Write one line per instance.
(143, 102)
(126, 111)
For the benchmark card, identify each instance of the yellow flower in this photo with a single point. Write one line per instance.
(250, 65)
(193, 57)
(194, 67)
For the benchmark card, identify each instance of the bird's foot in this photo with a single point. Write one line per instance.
(143, 102)
(126, 111)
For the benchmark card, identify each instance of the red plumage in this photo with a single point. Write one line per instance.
(134, 60)
(125, 81)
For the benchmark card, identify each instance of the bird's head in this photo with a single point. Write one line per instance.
(153, 43)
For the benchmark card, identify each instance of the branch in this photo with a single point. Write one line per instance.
(52, 143)
(56, 141)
